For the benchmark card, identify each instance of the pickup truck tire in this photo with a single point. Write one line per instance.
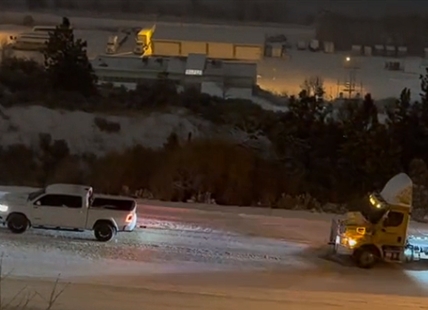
(366, 257)
(104, 231)
(17, 223)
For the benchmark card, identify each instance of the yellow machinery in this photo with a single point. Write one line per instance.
(31, 41)
(143, 41)
(379, 232)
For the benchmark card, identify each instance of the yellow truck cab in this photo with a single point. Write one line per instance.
(143, 41)
(379, 231)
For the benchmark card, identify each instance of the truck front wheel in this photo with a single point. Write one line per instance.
(17, 223)
(366, 257)
(104, 231)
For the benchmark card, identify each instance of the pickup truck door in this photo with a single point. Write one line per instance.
(62, 211)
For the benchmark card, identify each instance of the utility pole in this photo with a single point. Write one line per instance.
(351, 81)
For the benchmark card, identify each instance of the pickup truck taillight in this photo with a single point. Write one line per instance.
(129, 218)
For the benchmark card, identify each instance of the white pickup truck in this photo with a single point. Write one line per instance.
(68, 207)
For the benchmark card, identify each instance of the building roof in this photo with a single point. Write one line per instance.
(243, 69)
(176, 65)
(195, 64)
(231, 69)
(211, 33)
(125, 63)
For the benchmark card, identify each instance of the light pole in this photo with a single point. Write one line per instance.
(350, 85)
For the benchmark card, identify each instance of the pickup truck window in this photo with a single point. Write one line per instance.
(69, 201)
(36, 194)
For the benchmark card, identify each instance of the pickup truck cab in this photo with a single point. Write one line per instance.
(68, 207)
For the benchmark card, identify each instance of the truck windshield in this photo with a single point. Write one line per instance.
(142, 39)
(36, 194)
(372, 214)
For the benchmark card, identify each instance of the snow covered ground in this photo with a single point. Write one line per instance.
(206, 257)
(371, 76)
(24, 124)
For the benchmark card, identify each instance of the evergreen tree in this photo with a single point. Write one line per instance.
(368, 154)
(67, 63)
(125, 6)
(36, 4)
(407, 122)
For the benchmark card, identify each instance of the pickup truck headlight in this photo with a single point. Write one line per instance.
(4, 208)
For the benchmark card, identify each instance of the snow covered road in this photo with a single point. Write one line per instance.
(163, 296)
(207, 257)
(175, 236)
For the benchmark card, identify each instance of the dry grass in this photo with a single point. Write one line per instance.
(24, 298)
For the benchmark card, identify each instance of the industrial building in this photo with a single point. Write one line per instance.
(214, 41)
(196, 71)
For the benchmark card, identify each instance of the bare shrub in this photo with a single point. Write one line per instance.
(6, 50)
(204, 171)
(106, 126)
(18, 165)
(68, 170)
(133, 168)
(218, 167)
(23, 298)
(24, 79)
(419, 174)
(314, 86)
(28, 21)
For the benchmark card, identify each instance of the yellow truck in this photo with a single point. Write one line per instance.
(143, 41)
(380, 231)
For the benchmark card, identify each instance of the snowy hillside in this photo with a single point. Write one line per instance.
(23, 125)
(83, 135)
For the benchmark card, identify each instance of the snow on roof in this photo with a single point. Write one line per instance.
(242, 69)
(231, 69)
(67, 188)
(104, 196)
(129, 63)
(212, 33)
(398, 190)
(196, 63)
(176, 65)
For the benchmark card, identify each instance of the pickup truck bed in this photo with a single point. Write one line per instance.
(113, 202)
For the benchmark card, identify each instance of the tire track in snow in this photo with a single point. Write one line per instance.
(160, 245)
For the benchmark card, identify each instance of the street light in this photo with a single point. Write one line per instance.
(351, 67)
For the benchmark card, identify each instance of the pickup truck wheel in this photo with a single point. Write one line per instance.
(104, 232)
(17, 223)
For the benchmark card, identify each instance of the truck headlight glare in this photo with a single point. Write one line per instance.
(352, 242)
(4, 208)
